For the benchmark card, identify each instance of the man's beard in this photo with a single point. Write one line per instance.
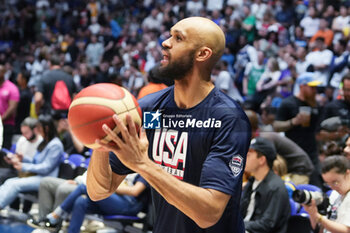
(177, 69)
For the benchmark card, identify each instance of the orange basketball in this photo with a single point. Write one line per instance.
(94, 106)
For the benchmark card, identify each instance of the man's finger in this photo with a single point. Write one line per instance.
(121, 126)
(112, 135)
(131, 125)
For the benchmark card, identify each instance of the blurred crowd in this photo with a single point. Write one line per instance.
(286, 62)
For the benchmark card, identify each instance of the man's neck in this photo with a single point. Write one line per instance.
(310, 102)
(35, 139)
(55, 67)
(189, 92)
(261, 173)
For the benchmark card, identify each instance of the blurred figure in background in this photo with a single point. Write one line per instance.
(45, 163)
(9, 98)
(336, 174)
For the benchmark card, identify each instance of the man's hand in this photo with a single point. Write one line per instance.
(301, 119)
(131, 148)
(7, 159)
(71, 182)
(19, 156)
(17, 165)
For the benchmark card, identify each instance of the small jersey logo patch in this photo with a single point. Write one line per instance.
(236, 164)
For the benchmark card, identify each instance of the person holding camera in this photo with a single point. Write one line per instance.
(265, 201)
(336, 174)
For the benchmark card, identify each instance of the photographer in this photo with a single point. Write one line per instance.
(336, 174)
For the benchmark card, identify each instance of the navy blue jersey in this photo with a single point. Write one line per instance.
(205, 146)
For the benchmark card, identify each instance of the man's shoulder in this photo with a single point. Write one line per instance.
(10, 85)
(337, 103)
(290, 100)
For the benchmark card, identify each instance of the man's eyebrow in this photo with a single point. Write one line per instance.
(177, 32)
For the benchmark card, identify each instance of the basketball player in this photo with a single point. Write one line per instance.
(195, 160)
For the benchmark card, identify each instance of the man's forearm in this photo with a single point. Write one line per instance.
(11, 110)
(101, 182)
(282, 126)
(204, 206)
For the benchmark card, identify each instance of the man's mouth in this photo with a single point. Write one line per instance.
(165, 59)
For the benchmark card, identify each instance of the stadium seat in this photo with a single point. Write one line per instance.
(124, 223)
(76, 159)
(13, 148)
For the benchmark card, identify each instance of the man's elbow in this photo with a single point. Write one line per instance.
(208, 220)
(96, 196)
(96, 193)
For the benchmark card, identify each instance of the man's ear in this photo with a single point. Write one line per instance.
(262, 160)
(203, 54)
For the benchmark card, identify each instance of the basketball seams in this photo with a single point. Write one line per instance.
(112, 104)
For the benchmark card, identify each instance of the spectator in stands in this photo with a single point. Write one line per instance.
(70, 143)
(154, 83)
(52, 192)
(25, 100)
(268, 82)
(319, 61)
(26, 148)
(194, 7)
(339, 65)
(153, 21)
(249, 25)
(9, 98)
(336, 174)
(127, 200)
(310, 22)
(337, 108)
(94, 51)
(45, 163)
(265, 201)
(252, 74)
(224, 81)
(340, 23)
(323, 32)
(46, 86)
(299, 165)
(298, 117)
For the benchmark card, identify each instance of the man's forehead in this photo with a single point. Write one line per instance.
(180, 27)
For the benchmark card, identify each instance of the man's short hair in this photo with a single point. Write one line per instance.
(55, 60)
(30, 122)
